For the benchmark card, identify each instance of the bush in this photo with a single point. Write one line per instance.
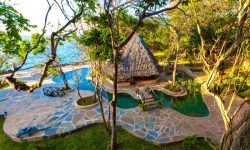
(190, 142)
(176, 88)
(159, 103)
(143, 106)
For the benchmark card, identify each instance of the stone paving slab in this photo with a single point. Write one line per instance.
(159, 126)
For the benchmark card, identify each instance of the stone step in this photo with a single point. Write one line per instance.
(151, 107)
(148, 97)
(150, 103)
(149, 100)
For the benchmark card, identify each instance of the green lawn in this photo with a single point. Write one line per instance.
(91, 138)
(4, 86)
(86, 101)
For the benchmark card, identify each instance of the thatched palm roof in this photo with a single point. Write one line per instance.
(137, 60)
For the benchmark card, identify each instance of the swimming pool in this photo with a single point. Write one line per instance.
(191, 105)
(85, 84)
(124, 100)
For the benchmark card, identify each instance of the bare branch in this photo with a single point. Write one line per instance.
(62, 9)
(170, 6)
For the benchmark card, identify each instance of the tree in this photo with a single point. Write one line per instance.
(97, 43)
(13, 24)
(143, 9)
(233, 42)
(55, 38)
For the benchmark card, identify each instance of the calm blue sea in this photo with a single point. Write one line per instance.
(68, 54)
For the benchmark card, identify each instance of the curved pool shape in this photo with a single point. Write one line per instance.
(124, 100)
(85, 84)
(188, 105)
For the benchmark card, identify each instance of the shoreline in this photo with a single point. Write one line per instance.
(5, 72)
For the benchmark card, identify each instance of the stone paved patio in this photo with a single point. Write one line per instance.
(60, 116)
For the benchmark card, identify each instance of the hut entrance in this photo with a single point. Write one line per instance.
(132, 80)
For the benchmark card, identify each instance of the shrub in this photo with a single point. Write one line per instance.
(159, 103)
(176, 88)
(143, 106)
(190, 142)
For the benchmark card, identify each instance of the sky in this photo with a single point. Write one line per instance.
(35, 11)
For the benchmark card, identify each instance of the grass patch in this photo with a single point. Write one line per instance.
(159, 53)
(91, 138)
(5, 86)
(85, 101)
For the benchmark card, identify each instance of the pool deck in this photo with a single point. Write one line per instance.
(59, 115)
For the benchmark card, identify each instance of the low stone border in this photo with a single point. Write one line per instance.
(124, 91)
(170, 93)
(87, 106)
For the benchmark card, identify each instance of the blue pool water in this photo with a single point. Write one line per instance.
(85, 84)
(124, 100)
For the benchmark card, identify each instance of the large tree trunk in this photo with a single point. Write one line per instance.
(231, 138)
(176, 57)
(63, 76)
(113, 102)
(175, 66)
(101, 107)
(242, 132)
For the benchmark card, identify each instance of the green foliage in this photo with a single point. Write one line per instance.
(98, 43)
(191, 86)
(235, 83)
(53, 71)
(13, 21)
(143, 106)
(11, 43)
(8, 45)
(159, 103)
(190, 142)
(155, 34)
(24, 47)
(42, 45)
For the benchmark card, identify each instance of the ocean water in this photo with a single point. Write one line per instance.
(68, 54)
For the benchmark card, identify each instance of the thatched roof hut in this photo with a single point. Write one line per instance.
(137, 62)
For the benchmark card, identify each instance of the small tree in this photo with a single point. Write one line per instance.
(77, 81)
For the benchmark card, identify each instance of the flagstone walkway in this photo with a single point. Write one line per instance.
(59, 116)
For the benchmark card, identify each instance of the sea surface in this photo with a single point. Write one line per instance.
(68, 53)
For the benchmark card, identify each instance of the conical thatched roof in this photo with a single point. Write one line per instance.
(137, 60)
